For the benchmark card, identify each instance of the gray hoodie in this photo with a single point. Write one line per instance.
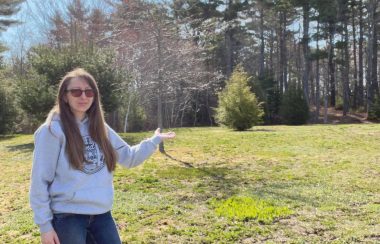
(56, 187)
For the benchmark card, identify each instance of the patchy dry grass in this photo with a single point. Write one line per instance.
(309, 184)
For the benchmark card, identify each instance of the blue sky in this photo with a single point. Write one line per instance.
(23, 35)
(31, 31)
(34, 17)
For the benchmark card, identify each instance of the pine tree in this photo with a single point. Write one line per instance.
(7, 111)
(238, 107)
(7, 9)
(294, 109)
(7, 108)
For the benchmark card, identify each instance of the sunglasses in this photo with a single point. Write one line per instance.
(78, 92)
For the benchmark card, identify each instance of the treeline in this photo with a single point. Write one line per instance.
(163, 64)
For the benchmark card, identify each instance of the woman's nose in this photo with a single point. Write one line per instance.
(83, 95)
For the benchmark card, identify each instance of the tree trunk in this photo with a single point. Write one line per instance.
(297, 50)
(195, 110)
(159, 87)
(283, 53)
(127, 114)
(325, 105)
(271, 50)
(372, 86)
(375, 84)
(306, 51)
(229, 52)
(278, 69)
(355, 99)
(317, 79)
(208, 107)
(361, 66)
(326, 97)
(331, 69)
(346, 70)
(262, 43)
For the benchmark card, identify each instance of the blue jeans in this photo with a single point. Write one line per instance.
(86, 229)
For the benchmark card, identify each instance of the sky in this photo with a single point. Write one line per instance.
(19, 37)
(33, 16)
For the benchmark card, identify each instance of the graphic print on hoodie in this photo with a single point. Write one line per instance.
(94, 158)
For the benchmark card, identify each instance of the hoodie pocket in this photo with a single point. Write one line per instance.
(100, 197)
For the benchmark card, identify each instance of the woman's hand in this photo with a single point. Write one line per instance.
(164, 136)
(49, 237)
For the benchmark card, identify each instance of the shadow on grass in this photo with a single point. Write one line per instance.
(6, 137)
(222, 180)
(262, 130)
(231, 182)
(219, 174)
(295, 192)
(25, 148)
(186, 164)
(253, 130)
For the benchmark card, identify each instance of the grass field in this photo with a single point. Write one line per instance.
(273, 184)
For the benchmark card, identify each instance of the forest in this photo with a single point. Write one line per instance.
(164, 63)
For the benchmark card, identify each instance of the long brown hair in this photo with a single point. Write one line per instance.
(97, 128)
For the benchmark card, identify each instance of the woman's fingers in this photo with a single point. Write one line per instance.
(157, 132)
(50, 237)
(167, 135)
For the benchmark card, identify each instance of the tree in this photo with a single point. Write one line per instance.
(35, 96)
(238, 107)
(7, 107)
(97, 28)
(318, 55)
(306, 6)
(372, 86)
(48, 66)
(374, 112)
(327, 15)
(166, 66)
(59, 34)
(361, 58)
(343, 58)
(353, 8)
(8, 111)
(217, 25)
(284, 11)
(258, 24)
(179, 54)
(76, 25)
(7, 9)
(78, 14)
(294, 109)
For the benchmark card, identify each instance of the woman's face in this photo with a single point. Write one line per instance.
(80, 96)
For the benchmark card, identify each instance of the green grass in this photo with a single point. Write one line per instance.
(243, 208)
(273, 184)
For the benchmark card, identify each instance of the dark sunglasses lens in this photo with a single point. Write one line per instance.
(76, 92)
(89, 93)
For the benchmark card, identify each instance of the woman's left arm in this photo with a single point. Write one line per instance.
(132, 156)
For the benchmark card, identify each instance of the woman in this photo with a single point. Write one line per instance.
(74, 158)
